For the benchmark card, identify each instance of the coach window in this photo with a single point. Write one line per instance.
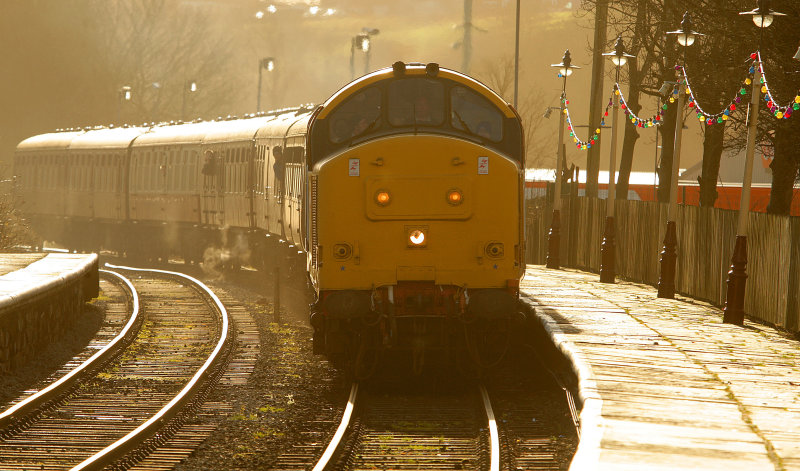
(150, 174)
(417, 102)
(239, 172)
(358, 115)
(475, 115)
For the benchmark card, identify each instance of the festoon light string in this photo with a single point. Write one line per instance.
(710, 119)
(778, 111)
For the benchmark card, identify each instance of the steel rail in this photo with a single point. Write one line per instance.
(127, 443)
(337, 437)
(494, 437)
(57, 387)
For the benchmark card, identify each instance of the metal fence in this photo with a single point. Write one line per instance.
(705, 244)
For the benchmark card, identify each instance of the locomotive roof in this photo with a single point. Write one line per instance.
(414, 70)
(106, 138)
(49, 141)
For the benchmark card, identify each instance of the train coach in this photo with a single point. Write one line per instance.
(401, 194)
(182, 189)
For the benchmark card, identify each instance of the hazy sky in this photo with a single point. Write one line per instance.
(312, 54)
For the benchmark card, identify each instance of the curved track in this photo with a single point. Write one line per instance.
(183, 341)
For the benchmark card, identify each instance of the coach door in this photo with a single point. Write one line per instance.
(212, 196)
(260, 186)
(294, 184)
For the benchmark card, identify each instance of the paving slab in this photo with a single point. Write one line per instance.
(665, 384)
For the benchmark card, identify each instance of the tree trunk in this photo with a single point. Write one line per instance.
(712, 152)
(671, 116)
(596, 95)
(784, 167)
(631, 132)
(667, 149)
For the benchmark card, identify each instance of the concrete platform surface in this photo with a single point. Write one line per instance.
(23, 277)
(665, 384)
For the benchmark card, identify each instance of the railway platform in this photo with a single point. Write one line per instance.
(40, 294)
(665, 384)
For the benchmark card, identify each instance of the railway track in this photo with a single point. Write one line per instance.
(382, 428)
(137, 401)
(521, 420)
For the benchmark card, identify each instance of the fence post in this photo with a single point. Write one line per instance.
(793, 300)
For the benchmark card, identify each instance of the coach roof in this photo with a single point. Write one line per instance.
(106, 138)
(49, 141)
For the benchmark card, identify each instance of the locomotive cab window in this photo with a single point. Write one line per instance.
(475, 115)
(416, 102)
(357, 116)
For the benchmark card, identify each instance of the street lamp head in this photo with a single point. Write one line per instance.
(619, 57)
(686, 35)
(268, 63)
(192, 86)
(125, 93)
(363, 42)
(763, 15)
(565, 67)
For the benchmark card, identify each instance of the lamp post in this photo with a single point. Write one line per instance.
(189, 87)
(267, 63)
(608, 247)
(565, 69)
(516, 56)
(733, 313)
(124, 95)
(363, 42)
(666, 281)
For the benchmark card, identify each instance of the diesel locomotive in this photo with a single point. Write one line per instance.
(402, 193)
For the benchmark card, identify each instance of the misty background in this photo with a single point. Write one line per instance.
(65, 62)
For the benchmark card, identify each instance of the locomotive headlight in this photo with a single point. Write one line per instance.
(416, 238)
(382, 197)
(455, 197)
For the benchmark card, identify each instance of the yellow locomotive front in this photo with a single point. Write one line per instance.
(416, 222)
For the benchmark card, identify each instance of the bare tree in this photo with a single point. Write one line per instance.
(14, 230)
(157, 47)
